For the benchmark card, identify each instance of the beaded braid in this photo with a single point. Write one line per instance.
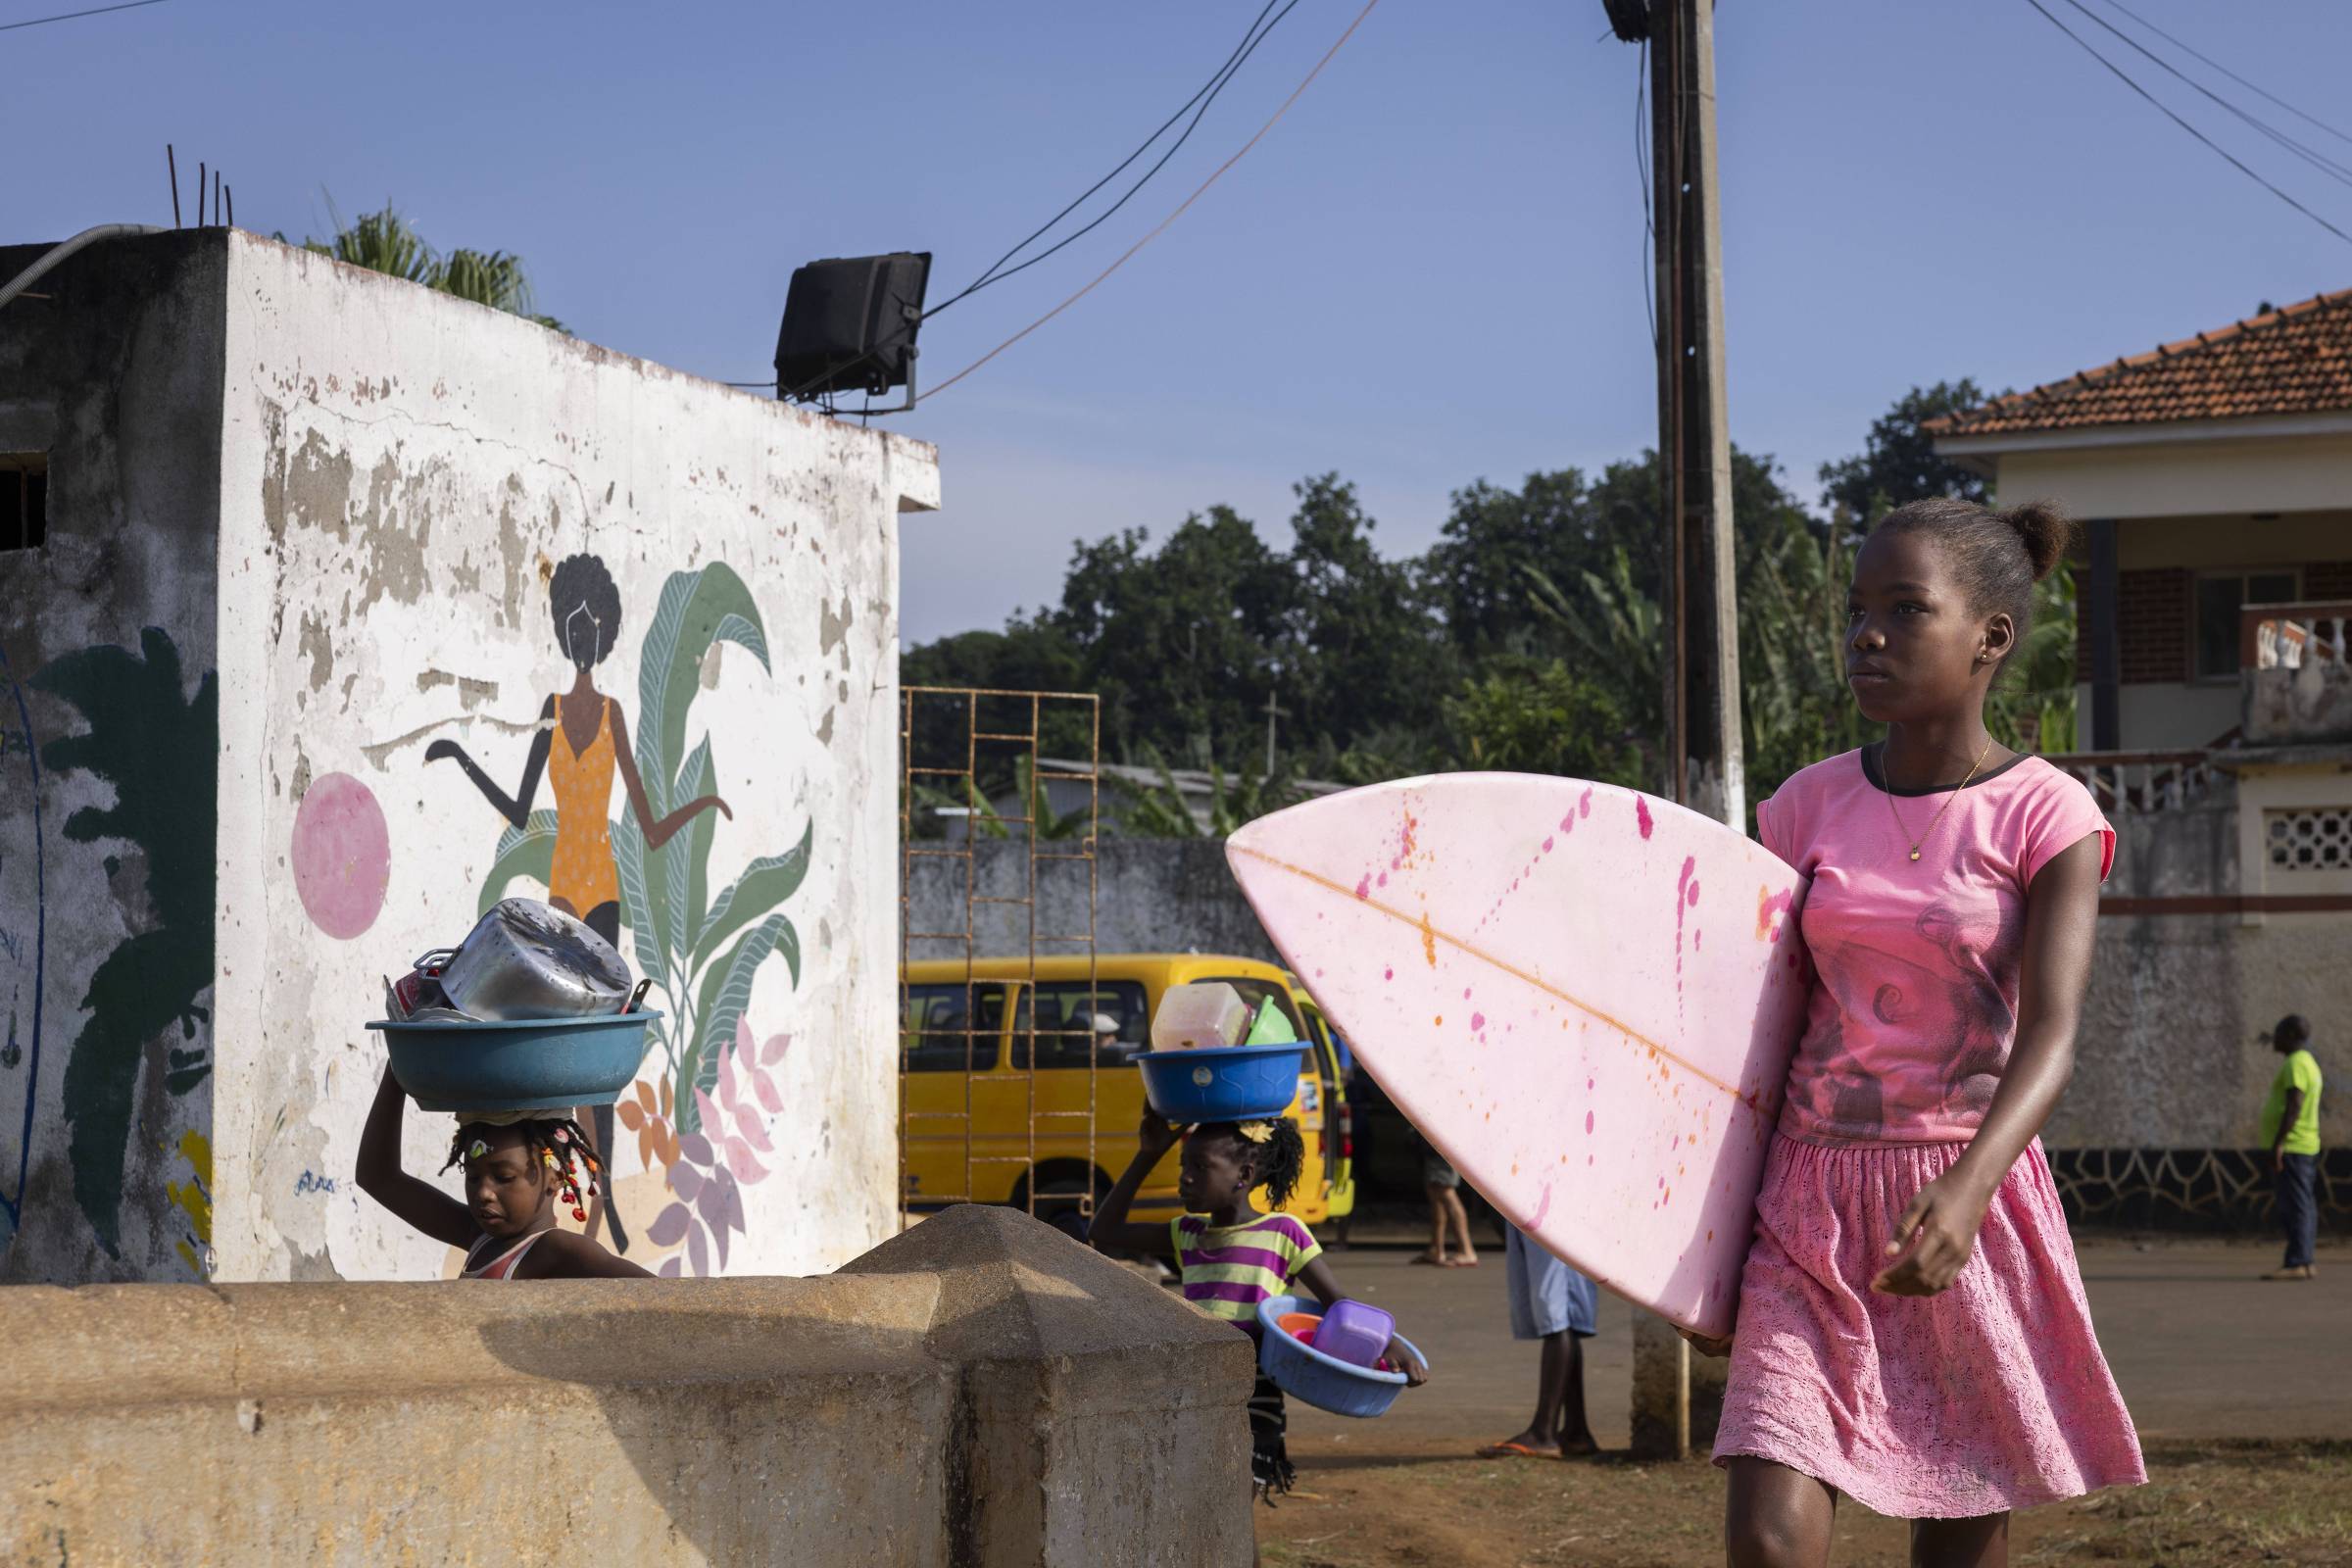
(562, 1145)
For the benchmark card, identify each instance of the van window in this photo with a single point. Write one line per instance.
(938, 1028)
(1255, 993)
(1065, 1012)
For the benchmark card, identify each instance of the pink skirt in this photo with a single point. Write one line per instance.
(1990, 1396)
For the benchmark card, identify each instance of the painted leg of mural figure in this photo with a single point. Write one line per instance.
(605, 921)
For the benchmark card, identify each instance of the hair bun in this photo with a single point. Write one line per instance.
(2046, 531)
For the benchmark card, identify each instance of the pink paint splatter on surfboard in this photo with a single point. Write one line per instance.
(1770, 907)
(1642, 815)
(1686, 894)
(1363, 888)
(1542, 1208)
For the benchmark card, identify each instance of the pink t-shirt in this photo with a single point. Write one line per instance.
(1914, 1004)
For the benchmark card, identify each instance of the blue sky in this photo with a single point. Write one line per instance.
(1429, 272)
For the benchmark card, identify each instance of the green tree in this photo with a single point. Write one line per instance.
(386, 242)
(1898, 463)
(1520, 715)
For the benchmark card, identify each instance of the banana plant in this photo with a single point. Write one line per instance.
(701, 949)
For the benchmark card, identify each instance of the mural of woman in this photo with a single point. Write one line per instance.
(582, 739)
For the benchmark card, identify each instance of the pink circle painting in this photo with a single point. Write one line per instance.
(342, 855)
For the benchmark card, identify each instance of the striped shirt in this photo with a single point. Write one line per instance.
(1229, 1269)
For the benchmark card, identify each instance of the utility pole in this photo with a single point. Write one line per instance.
(1678, 1394)
(1694, 447)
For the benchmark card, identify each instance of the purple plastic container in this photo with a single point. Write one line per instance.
(1354, 1333)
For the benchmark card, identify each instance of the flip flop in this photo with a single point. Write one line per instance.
(1513, 1451)
(1462, 1263)
(1424, 1260)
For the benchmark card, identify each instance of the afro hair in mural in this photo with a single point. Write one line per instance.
(586, 605)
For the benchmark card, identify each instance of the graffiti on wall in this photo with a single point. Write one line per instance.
(154, 742)
(650, 871)
(22, 1050)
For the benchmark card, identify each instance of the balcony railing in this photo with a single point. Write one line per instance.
(2293, 673)
(2140, 783)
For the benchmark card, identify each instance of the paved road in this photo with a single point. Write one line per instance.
(2200, 1346)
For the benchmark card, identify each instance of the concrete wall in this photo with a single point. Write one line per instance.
(107, 718)
(2225, 478)
(372, 489)
(979, 1391)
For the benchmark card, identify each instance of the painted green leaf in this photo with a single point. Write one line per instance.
(690, 845)
(636, 901)
(726, 990)
(765, 884)
(525, 850)
(697, 608)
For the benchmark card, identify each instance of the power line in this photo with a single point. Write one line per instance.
(1649, 223)
(2317, 160)
(1197, 194)
(2124, 78)
(74, 16)
(1208, 88)
(2232, 74)
(1219, 87)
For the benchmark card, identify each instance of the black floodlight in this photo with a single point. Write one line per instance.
(849, 326)
(1627, 19)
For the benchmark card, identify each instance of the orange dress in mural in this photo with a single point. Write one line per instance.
(584, 876)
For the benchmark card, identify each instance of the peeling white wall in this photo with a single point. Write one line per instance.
(401, 473)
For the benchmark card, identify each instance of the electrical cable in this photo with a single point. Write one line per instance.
(2318, 159)
(1215, 86)
(1223, 72)
(2167, 110)
(1105, 215)
(2232, 74)
(1214, 176)
(76, 15)
(1649, 222)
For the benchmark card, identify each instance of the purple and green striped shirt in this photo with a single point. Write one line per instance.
(1228, 1271)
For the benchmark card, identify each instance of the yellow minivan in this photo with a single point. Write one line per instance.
(1338, 1117)
(978, 1125)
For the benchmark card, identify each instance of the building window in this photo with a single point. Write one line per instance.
(23, 499)
(2219, 598)
(2313, 838)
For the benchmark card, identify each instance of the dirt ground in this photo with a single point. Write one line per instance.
(2242, 1392)
(2216, 1505)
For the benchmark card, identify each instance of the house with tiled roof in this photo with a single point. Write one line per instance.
(2213, 479)
(2211, 473)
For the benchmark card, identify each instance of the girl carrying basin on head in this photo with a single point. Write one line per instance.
(583, 741)
(515, 1172)
(1231, 1256)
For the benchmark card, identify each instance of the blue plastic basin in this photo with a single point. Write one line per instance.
(1222, 1083)
(517, 1063)
(1305, 1373)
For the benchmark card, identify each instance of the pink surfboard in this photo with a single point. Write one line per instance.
(1584, 997)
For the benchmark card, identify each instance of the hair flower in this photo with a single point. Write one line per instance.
(1257, 1132)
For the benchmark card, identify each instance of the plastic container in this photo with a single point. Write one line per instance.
(1354, 1333)
(1204, 1013)
(1305, 1372)
(517, 1063)
(1226, 1083)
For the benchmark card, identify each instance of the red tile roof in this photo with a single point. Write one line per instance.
(2297, 360)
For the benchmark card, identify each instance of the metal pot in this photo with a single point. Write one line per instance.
(528, 960)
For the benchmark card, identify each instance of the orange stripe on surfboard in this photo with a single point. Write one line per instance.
(1430, 936)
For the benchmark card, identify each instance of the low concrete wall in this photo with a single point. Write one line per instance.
(977, 1391)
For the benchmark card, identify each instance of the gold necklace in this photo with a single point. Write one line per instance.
(1939, 810)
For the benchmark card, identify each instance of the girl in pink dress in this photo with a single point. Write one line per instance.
(1912, 1329)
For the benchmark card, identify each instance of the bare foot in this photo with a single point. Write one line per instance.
(1467, 1260)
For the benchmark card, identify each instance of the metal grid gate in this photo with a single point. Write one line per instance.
(959, 747)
